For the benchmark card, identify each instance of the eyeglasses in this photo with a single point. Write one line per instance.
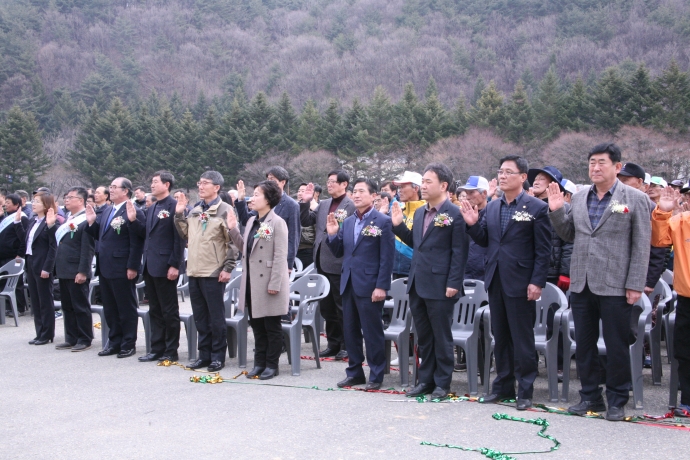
(113, 187)
(331, 181)
(204, 183)
(501, 172)
(69, 197)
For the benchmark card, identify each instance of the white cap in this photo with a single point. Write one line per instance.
(409, 177)
(659, 181)
(476, 183)
(569, 186)
(647, 178)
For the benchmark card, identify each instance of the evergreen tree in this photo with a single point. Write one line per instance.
(65, 110)
(577, 108)
(478, 89)
(287, 123)
(459, 118)
(332, 133)
(22, 159)
(188, 153)
(260, 128)
(406, 128)
(519, 116)
(437, 123)
(355, 136)
(167, 139)
(489, 110)
(375, 128)
(611, 101)
(548, 103)
(177, 106)
(201, 107)
(308, 127)
(673, 87)
(642, 105)
(145, 137)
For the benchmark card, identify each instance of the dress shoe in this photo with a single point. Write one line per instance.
(439, 393)
(80, 347)
(199, 363)
(494, 398)
(127, 353)
(523, 404)
(371, 386)
(147, 358)
(352, 381)
(215, 366)
(615, 414)
(327, 353)
(43, 342)
(421, 389)
(255, 372)
(682, 411)
(171, 358)
(268, 373)
(109, 351)
(64, 346)
(460, 367)
(342, 355)
(32, 341)
(587, 406)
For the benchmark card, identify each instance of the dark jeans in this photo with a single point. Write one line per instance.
(76, 311)
(206, 295)
(614, 313)
(164, 312)
(268, 339)
(332, 311)
(681, 347)
(41, 292)
(120, 309)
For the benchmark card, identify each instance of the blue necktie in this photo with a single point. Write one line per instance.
(110, 218)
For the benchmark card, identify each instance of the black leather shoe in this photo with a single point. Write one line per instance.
(215, 366)
(352, 381)
(494, 398)
(255, 372)
(64, 346)
(373, 386)
(199, 363)
(147, 358)
(439, 393)
(127, 353)
(421, 389)
(80, 347)
(327, 353)
(587, 406)
(43, 342)
(268, 373)
(523, 404)
(171, 358)
(32, 341)
(109, 351)
(615, 414)
(341, 356)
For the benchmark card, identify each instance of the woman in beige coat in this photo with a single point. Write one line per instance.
(265, 290)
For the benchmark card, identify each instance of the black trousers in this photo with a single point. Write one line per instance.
(614, 313)
(206, 295)
(41, 292)
(306, 256)
(512, 324)
(164, 312)
(433, 320)
(76, 311)
(331, 308)
(681, 344)
(362, 320)
(268, 337)
(120, 309)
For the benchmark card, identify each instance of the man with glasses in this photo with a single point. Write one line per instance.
(117, 264)
(73, 267)
(517, 233)
(211, 258)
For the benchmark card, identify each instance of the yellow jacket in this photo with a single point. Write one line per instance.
(666, 230)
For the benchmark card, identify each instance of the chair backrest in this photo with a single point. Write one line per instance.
(299, 266)
(465, 308)
(551, 297)
(661, 295)
(667, 276)
(401, 310)
(231, 297)
(310, 288)
(476, 288)
(13, 270)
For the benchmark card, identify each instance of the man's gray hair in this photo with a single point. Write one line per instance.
(213, 176)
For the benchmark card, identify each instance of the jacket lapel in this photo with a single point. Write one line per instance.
(582, 209)
(617, 196)
(117, 214)
(352, 230)
(432, 226)
(520, 203)
(269, 218)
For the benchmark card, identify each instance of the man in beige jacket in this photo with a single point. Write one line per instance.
(212, 251)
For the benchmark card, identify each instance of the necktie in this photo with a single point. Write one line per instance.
(110, 218)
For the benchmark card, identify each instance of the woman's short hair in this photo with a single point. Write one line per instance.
(271, 192)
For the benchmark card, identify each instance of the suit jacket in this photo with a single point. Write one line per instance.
(117, 252)
(163, 245)
(368, 264)
(11, 245)
(523, 253)
(43, 245)
(329, 263)
(268, 269)
(614, 256)
(439, 255)
(75, 253)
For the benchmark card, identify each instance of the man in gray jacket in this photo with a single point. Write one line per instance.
(610, 227)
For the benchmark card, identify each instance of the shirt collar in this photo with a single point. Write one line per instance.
(503, 198)
(435, 208)
(593, 188)
(205, 206)
(366, 213)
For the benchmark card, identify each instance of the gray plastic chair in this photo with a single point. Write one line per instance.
(311, 289)
(190, 330)
(146, 319)
(14, 269)
(105, 330)
(399, 330)
(182, 286)
(652, 333)
(304, 270)
(467, 314)
(236, 321)
(673, 381)
(667, 276)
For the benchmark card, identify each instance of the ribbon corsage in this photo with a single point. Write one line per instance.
(265, 232)
(442, 220)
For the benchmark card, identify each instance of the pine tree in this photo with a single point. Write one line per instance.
(673, 87)
(478, 89)
(65, 110)
(260, 128)
(438, 124)
(332, 130)
(548, 103)
(519, 116)
(459, 118)
(177, 106)
(167, 139)
(201, 107)
(611, 101)
(189, 167)
(355, 136)
(489, 110)
(406, 127)
(577, 108)
(642, 105)
(22, 159)
(308, 127)
(145, 137)
(287, 123)
(377, 125)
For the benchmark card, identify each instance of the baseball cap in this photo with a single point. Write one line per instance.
(677, 183)
(550, 171)
(647, 178)
(686, 188)
(569, 186)
(476, 183)
(409, 177)
(659, 181)
(632, 170)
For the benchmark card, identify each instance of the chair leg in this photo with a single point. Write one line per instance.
(242, 344)
(387, 355)
(311, 332)
(655, 351)
(471, 358)
(295, 345)
(636, 354)
(232, 342)
(404, 359)
(673, 383)
(3, 305)
(13, 302)
(191, 339)
(552, 372)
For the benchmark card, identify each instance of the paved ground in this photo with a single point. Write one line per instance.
(58, 404)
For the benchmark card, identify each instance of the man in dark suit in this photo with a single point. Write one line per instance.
(73, 266)
(118, 263)
(11, 246)
(517, 233)
(325, 262)
(367, 245)
(440, 253)
(163, 262)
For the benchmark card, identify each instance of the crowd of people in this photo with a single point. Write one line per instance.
(605, 244)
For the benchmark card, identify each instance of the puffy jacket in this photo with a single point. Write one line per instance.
(403, 253)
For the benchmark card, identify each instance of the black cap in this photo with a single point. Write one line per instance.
(41, 189)
(632, 170)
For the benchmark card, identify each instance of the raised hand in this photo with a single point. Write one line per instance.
(231, 219)
(396, 214)
(493, 185)
(332, 226)
(131, 211)
(18, 215)
(179, 208)
(667, 201)
(241, 191)
(50, 217)
(308, 193)
(556, 200)
(90, 214)
(469, 213)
